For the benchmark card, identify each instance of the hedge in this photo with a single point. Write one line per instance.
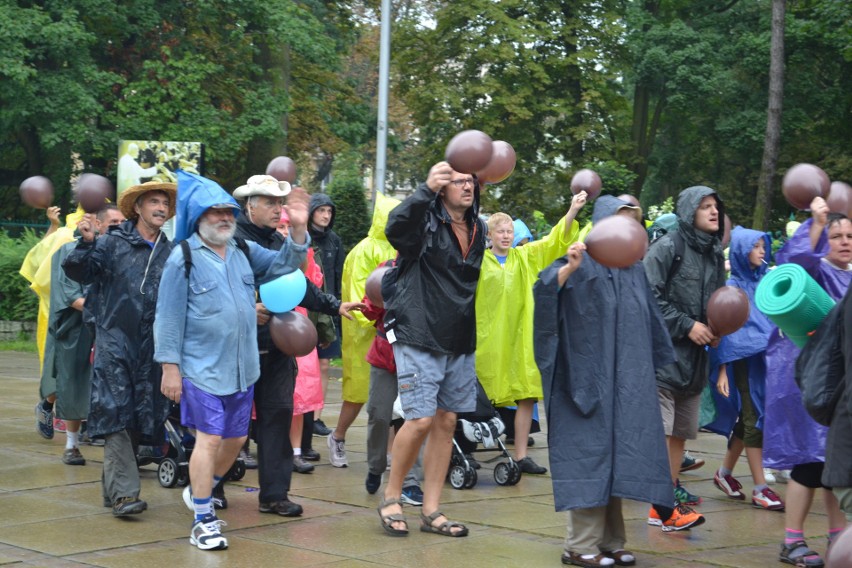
(17, 301)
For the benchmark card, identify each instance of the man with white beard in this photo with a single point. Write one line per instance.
(205, 333)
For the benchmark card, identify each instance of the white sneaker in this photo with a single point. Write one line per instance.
(337, 451)
(206, 534)
(769, 476)
(187, 498)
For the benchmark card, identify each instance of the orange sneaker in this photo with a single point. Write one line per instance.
(682, 518)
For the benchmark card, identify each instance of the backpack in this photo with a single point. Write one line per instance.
(679, 248)
(821, 367)
(187, 253)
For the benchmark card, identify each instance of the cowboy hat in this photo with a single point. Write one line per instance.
(262, 185)
(129, 196)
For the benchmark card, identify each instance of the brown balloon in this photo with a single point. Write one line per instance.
(37, 192)
(726, 233)
(282, 168)
(293, 333)
(93, 191)
(617, 241)
(727, 310)
(373, 287)
(840, 551)
(469, 151)
(840, 198)
(501, 165)
(588, 181)
(631, 199)
(802, 183)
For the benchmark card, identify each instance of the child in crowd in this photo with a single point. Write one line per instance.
(740, 360)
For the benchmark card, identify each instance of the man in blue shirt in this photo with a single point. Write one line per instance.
(205, 332)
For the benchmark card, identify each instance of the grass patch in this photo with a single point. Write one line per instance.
(23, 345)
(338, 362)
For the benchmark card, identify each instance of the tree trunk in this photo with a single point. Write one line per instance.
(275, 60)
(772, 139)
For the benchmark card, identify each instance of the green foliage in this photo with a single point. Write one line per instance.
(22, 345)
(352, 218)
(17, 301)
(666, 206)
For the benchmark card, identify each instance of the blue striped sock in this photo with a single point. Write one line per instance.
(202, 507)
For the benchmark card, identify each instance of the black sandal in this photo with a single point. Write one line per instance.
(444, 529)
(798, 554)
(389, 520)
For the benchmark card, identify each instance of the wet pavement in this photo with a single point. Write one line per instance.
(51, 514)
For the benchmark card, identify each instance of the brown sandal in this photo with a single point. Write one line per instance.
(576, 559)
(389, 520)
(445, 528)
(622, 557)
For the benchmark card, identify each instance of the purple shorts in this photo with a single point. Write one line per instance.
(226, 416)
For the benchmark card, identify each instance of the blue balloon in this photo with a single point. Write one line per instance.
(284, 293)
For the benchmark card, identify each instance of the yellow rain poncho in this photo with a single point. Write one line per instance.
(36, 269)
(505, 362)
(358, 334)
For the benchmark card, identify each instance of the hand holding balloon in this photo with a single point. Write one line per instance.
(439, 176)
(578, 201)
(819, 211)
(263, 314)
(86, 228)
(700, 334)
(575, 258)
(53, 216)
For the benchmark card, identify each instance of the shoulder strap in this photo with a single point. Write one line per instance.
(243, 246)
(187, 258)
(679, 247)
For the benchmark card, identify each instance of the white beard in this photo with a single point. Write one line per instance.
(211, 233)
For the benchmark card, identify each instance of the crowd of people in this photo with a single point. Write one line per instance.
(620, 357)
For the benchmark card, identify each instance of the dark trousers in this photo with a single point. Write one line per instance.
(273, 399)
(307, 431)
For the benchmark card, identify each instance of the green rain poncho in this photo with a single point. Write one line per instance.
(505, 362)
(358, 334)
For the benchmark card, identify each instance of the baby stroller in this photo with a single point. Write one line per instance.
(172, 458)
(482, 426)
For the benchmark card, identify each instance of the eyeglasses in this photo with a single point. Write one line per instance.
(462, 182)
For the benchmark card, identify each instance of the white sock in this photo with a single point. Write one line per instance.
(71, 440)
(297, 452)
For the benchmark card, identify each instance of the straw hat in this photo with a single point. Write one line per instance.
(262, 185)
(131, 194)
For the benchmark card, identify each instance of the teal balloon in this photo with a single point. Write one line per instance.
(284, 293)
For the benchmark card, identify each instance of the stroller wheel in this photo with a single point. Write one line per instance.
(238, 470)
(457, 477)
(514, 473)
(502, 474)
(167, 472)
(470, 478)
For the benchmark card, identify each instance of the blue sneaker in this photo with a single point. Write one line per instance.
(412, 495)
(44, 421)
(684, 497)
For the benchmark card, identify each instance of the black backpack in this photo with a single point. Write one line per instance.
(821, 367)
(187, 253)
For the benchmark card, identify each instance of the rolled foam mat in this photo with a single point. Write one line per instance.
(793, 301)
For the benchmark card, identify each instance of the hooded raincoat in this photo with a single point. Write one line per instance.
(521, 232)
(683, 294)
(749, 342)
(505, 361)
(67, 370)
(329, 247)
(598, 341)
(125, 381)
(36, 269)
(790, 436)
(359, 332)
(432, 303)
(207, 323)
(838, 450)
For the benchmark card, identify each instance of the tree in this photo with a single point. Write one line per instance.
(772, 144)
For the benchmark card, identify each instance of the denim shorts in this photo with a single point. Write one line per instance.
(429, 380)
(227, 416)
